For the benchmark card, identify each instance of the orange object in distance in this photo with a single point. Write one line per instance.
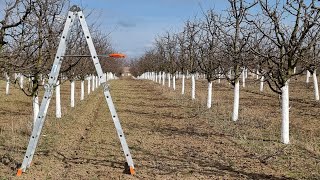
(117, 55)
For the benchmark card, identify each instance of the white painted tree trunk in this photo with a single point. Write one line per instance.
(58, 100)
(169, 80)
(156, 77)
(187, 74)
(89, 88)
(209, 100)
(82, 90)
(285, 114)
(97, 82)
(243, 78)
(235, 113)
(315, 84)
(72, 94)
(261, 83)
(35, 104)
(183, 82)
(159, 78)
(174, 82)
(21, 81)
(7, 84)
(93, 82)
(163, 78)
(308, 76)
(193, 87)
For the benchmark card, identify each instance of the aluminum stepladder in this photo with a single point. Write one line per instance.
(74, 12)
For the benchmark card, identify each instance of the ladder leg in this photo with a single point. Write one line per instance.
(118, 127)
(107, 95)
(36, 132)
(33, 142)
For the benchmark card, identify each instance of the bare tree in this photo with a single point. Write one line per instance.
(311, 62)
(192, 30)
(235, 36)
(170, 55)
(182, 62)
(285, 45)
(209, 50)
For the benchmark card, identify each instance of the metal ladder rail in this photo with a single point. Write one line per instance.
(107, 94)
(47, 96)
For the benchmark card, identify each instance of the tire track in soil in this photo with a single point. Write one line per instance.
(74, 158)
(99, 153)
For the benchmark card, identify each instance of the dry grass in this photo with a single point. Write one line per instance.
(170, 136)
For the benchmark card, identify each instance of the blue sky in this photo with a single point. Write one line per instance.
(134, 24)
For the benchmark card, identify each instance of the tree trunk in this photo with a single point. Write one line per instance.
(89, 88)
(169, 79)
(183, 81)
(72, 94)
(156, 77)
(21, 81)
(174, 82)
(163, 78)
(97, 82)
(243, 78)
(58, 101)
(82, 90)
(235, 113)
(285, 114)
(7, 84)
(261, 83)
(93, 79)
(193, 88)
(308, 76)
(15, 76)
(35, 104)
(209, 100)
(159, 76)
(315, 84)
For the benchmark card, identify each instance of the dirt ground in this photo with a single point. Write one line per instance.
(169, 135)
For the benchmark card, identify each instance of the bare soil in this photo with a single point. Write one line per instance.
(169, 135)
